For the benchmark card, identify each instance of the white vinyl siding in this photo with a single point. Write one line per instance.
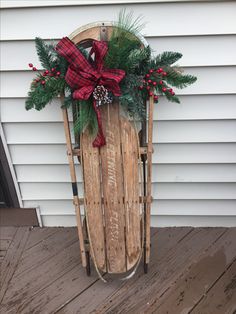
(194, 161)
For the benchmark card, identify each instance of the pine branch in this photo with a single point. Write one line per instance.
(132, 99)
(41, 95)
(172, 98)
(177, 79)
(137, 60)
(45, 53)
(124, 40)
(127, 25)
(38, 99)
(86, 118)
(167, 58)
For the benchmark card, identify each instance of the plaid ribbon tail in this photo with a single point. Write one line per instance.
(100, 139)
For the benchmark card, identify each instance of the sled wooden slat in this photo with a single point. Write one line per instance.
(130, 154)
(93, 198)
(113, 191)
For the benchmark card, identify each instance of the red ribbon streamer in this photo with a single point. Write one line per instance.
(83, 76)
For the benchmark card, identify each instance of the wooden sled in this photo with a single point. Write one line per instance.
(116, 229)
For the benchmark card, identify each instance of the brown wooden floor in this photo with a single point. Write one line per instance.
(191, 271)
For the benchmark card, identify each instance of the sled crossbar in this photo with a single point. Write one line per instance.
(143, 151)
(142, 199)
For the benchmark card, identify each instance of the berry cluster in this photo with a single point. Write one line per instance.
(154, 79)
(51, 73)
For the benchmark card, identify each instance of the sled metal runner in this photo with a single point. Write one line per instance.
(116, 229)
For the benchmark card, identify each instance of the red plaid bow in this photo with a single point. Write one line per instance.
(83, 77)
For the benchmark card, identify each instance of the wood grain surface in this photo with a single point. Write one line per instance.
(131, 179)
(113, 189)
(93, 198)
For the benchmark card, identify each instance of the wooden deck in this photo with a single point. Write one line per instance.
(191, 271)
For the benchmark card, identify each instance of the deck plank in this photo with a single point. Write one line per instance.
(163, 239)
(38, 234)
(6, 236)
(57, 293)
(27, 284)
(4, 245)
(138, 294)
(7, 232)
(222, 297)
(12, 257)
(45, 249)
(197, 281)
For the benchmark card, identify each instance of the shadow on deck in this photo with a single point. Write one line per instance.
(192, 270)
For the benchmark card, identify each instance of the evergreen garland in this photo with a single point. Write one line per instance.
(145, 75)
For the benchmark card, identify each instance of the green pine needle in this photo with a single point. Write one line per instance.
(85, 118)
(167, 58)
(45, 52)
(40, 95)
(179, 80)
(127, 25)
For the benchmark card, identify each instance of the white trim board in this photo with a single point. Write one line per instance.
(12, 170)
(8, 4)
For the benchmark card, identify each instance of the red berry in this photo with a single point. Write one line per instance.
(140, 87)
(58, 73)
(148, 87)
(164, 73)
(164, 89)
(46, 72)
(34, 69)
(159, 70)
(160, 82)
(172, 93)
(30, 65)
(155, 97)
(53, 70)
(150, 94)
(149, 81)
(147, 75)
(151, 71)
(43, 82)
(170, 90)
(154, 83)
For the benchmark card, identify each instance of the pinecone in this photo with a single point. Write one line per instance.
(101, 95)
